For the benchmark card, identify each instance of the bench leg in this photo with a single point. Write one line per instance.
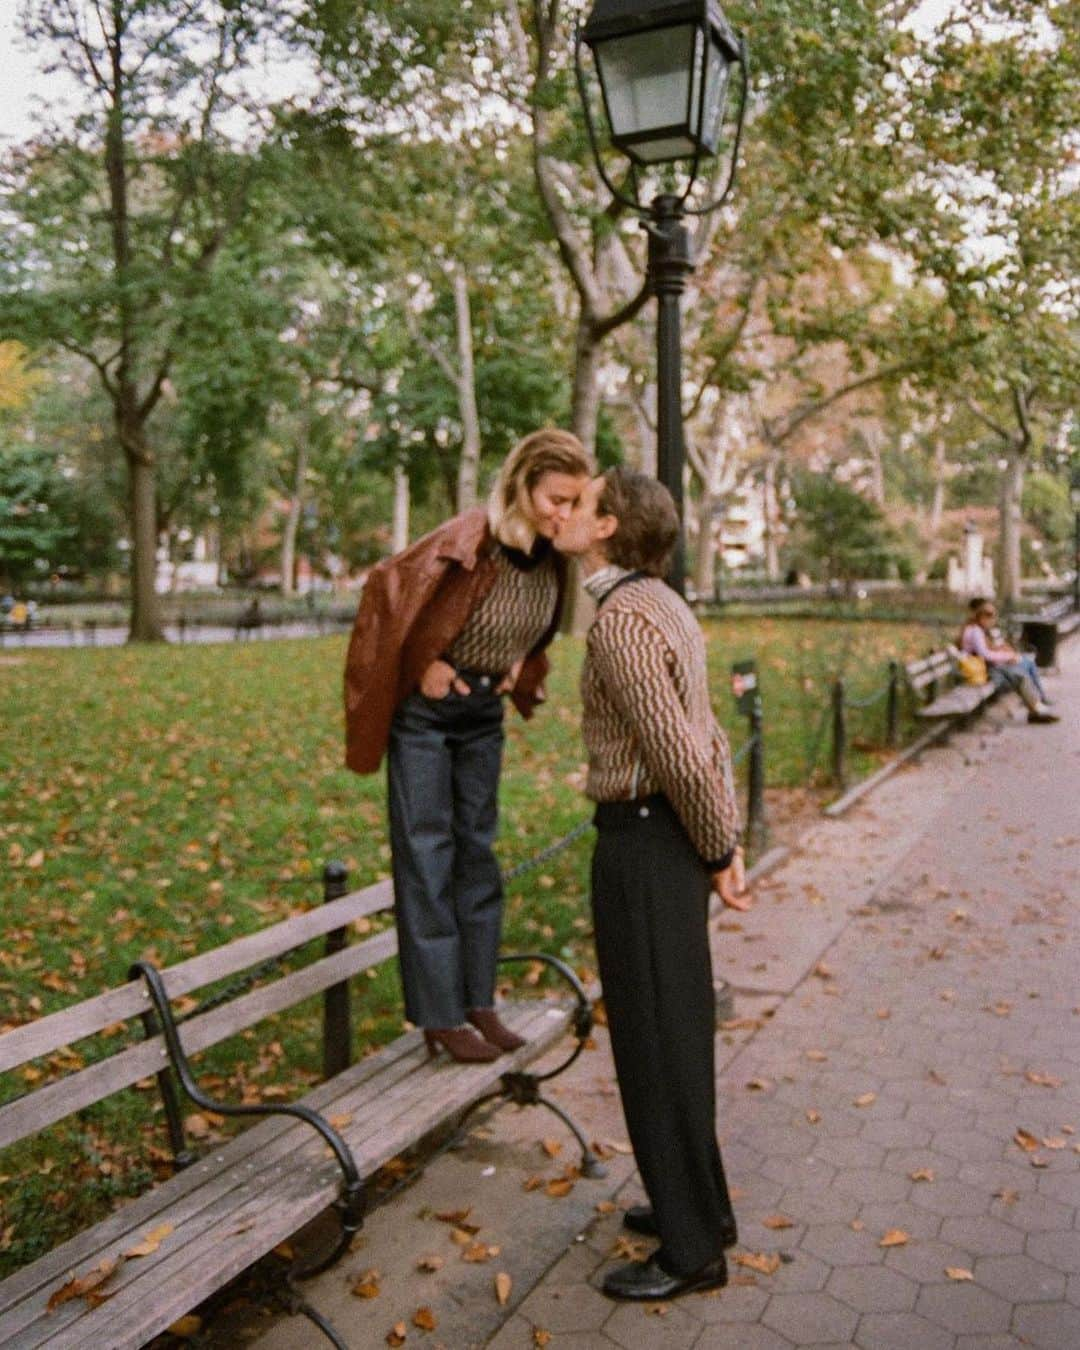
(524, 1090)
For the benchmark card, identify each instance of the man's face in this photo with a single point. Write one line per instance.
(584, 530)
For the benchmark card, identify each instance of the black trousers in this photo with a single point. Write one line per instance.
(443, 777)
(650, 896)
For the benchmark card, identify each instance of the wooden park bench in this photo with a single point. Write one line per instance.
(135, 1273)
(939, 689)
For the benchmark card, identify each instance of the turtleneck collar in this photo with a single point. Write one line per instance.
(602, 581)
(525, 562)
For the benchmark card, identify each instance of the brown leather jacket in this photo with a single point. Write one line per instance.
(412, 607)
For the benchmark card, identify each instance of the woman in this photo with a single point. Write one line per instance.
(445, 629)
(1004, 664)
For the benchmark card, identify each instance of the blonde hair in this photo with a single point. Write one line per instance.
(549, 450)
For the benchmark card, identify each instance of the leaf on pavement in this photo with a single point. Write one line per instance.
(895, 1237)
(503, 1285)
(765, 1263)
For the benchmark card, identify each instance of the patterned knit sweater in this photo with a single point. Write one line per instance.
(512, 618)
(646, 719)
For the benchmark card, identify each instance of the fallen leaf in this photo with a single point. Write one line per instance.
(424, 1318)
(81, 1285)
(340, 1121)
(559, 1187)
(541, 1337)
(1055, 1142)
(186, 1326)
(958, 1273)
(895, 1237)
(824, 972)
(455, 1216)
(477, 1253)
(936, 1077)
(1007, 1196)
(151, 1242)
(883, 1014)
(197, 1125)
(818, 1056)
(397, 1334)
(552, 1147)
(430, 1263)
(866, 1099)
(532, 1183)
(922, 1174)
(778, 1221)
(367, 1285)
(503, 1285)
(1043, 1079)
(765, 1263)
(813, 1116)
(605, 1207)
(462, 1236)
(759, 1085)
(1026, 1140)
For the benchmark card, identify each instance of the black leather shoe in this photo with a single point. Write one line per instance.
(649, 1282)
(640, 1219)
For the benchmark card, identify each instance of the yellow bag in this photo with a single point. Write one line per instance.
(972, 669)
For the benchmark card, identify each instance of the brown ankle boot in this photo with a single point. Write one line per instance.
(493, 1031)
(461, 1044)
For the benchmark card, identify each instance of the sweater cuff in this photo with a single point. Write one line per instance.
(720, 864)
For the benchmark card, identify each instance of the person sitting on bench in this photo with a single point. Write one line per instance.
(1004, 664)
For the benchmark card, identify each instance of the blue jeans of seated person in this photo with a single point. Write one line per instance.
(1012, 673)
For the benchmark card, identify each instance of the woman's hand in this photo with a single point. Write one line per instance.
(439, 678)
(506, 684)
(730, 884)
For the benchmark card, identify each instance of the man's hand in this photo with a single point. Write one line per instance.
(439, 678)
(730, 884)
(506, 684)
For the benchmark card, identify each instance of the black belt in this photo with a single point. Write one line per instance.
(610, 815)
(479, 679)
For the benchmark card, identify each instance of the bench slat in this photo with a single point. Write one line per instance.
(29, 1114)
(965, 698)
(154, 1291)
(62, 1028)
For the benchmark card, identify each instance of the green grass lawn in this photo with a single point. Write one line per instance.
(156, 802)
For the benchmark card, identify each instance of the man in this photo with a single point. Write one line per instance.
(667, 834)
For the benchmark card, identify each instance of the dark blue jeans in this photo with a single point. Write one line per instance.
(443, 778)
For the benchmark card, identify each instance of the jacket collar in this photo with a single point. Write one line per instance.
(466, 538)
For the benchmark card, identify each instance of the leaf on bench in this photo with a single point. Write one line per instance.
(82, 1286)
(367, 1286)
(151, 1242)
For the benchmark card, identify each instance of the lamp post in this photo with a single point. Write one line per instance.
(1074, 497)
(664, 68)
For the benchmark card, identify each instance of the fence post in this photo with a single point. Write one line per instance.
(839, 749)
(337, 1013)
(892, 707)
(181, 625)
(757, 828)
(90, 628)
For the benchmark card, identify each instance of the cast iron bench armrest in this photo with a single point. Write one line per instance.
(583, 1013)
(350, 1204)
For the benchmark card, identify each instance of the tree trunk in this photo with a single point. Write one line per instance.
(145, 609)
(937, 500)
(705, 562)
(585, 400)
(771, 515)
(292, 520)
(469, 468)
(399, 537)
(1012, 487)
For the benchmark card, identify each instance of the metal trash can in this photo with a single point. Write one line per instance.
(1042, 636)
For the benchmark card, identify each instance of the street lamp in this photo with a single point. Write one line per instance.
(664, 68)
(1074, 497)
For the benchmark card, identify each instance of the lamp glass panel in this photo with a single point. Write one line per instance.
(669, 147)
(646, 79)
(716, 79)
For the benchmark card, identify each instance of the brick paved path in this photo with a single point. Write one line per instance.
(875, 1113)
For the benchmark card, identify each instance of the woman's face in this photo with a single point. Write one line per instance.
(551, 500)
(985, 618)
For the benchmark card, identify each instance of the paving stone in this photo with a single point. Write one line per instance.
(806, 1319)
(1052, 1326)
(918, 1223)
(736, 1303)
(968, 1145)
(1056, 1249)
(984, 1235)
(659, 1326)
(960, 1306)
(908, 1160)
(805, 1172)
(719, 1337)
(988, 1343)
(873, 1289)
(1019, 1279)
(573, 1306)
(897, 1134)
(999, 1176)
(840, 1245)
(1036, 1214)
(901, 1331)
(870, 1184)
(819, 1206)
(950, 1198)
(1064, 1189)
(926, 1261)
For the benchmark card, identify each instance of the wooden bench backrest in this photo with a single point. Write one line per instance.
(929, 670)
(54, 1100)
